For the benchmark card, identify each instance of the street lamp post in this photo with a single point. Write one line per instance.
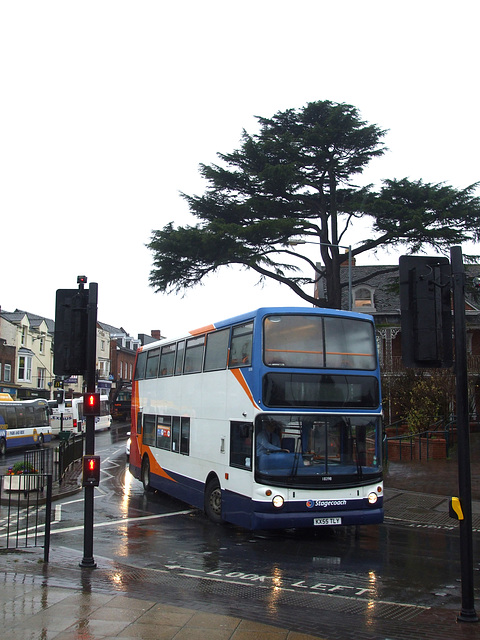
(339, 246)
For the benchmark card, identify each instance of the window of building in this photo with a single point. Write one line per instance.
(25, 368)
(363, 299)
(7, 373)
(24, 336)
(41, 378)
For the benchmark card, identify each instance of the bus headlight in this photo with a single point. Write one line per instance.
(278, 502)
(372, 497)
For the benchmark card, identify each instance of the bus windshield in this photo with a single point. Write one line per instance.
(319, 342)
(313, 450)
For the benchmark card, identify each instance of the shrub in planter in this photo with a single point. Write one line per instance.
(22, 476)
(21, 467)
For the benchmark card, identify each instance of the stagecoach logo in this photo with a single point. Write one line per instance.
(325, 503)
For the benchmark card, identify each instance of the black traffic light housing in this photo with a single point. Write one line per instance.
(91, 404)
(426, 311)
(71, 320)
(59, 396)
(90, 471)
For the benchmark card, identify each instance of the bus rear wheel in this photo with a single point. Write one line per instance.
(146, 474)
(213, 501)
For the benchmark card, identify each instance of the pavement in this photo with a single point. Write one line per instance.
(61, 601)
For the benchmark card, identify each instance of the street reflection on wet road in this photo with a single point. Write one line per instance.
(376, 564)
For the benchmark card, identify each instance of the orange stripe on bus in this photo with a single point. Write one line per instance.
(329, 353)
(156, 468)
(242, 382)
(206, 329)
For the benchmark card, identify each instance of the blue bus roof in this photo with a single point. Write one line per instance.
(244, 317)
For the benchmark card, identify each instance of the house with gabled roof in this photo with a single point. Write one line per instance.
(32, 339)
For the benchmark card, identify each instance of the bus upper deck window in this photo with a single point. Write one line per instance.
(294, 341)
(140, 365)
(241, 345)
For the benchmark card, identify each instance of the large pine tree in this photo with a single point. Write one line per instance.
(294, 179)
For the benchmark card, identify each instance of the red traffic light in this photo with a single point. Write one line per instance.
(91, 471)
(91, 404)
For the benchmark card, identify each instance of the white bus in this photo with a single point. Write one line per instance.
(71, 418)
(267, 420)
(23, 423)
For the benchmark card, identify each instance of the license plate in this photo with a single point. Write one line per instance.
(325, 522)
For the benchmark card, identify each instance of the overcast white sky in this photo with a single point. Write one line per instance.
(107, 108)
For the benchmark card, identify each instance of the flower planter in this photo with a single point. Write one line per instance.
(25, 483)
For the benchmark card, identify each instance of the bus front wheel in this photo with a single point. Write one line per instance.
(213, 501)
(146, 474)
(3, 446)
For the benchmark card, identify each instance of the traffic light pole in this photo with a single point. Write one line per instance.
(467, 613)
(88, 560)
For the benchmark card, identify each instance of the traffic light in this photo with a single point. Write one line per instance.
(71, 320)
(91, 404)
(426, 311)
(59, 396)
(90, 471)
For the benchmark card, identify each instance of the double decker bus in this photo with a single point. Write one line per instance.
(24, 423)
(268, 420)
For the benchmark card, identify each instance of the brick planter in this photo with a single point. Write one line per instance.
(435, 448)
(417, 448)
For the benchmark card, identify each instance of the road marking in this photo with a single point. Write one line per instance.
(124, 521)
(267, 582)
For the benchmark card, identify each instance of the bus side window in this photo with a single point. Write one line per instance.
(185, 436)
(176, 434)
(179, 358)
(164, 432)
(11, 417)
(167, 360)
(140, 366)
(216, 350)
(194, 355)
(152, 363)
(241, 346)
(149, 430)
(241, 444)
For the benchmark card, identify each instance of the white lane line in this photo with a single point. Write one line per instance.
(123, 521)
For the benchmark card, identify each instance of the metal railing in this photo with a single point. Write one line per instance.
(26, 508)
(433, 443)
(68, 452)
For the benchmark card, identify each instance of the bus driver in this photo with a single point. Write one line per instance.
(268, 440)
